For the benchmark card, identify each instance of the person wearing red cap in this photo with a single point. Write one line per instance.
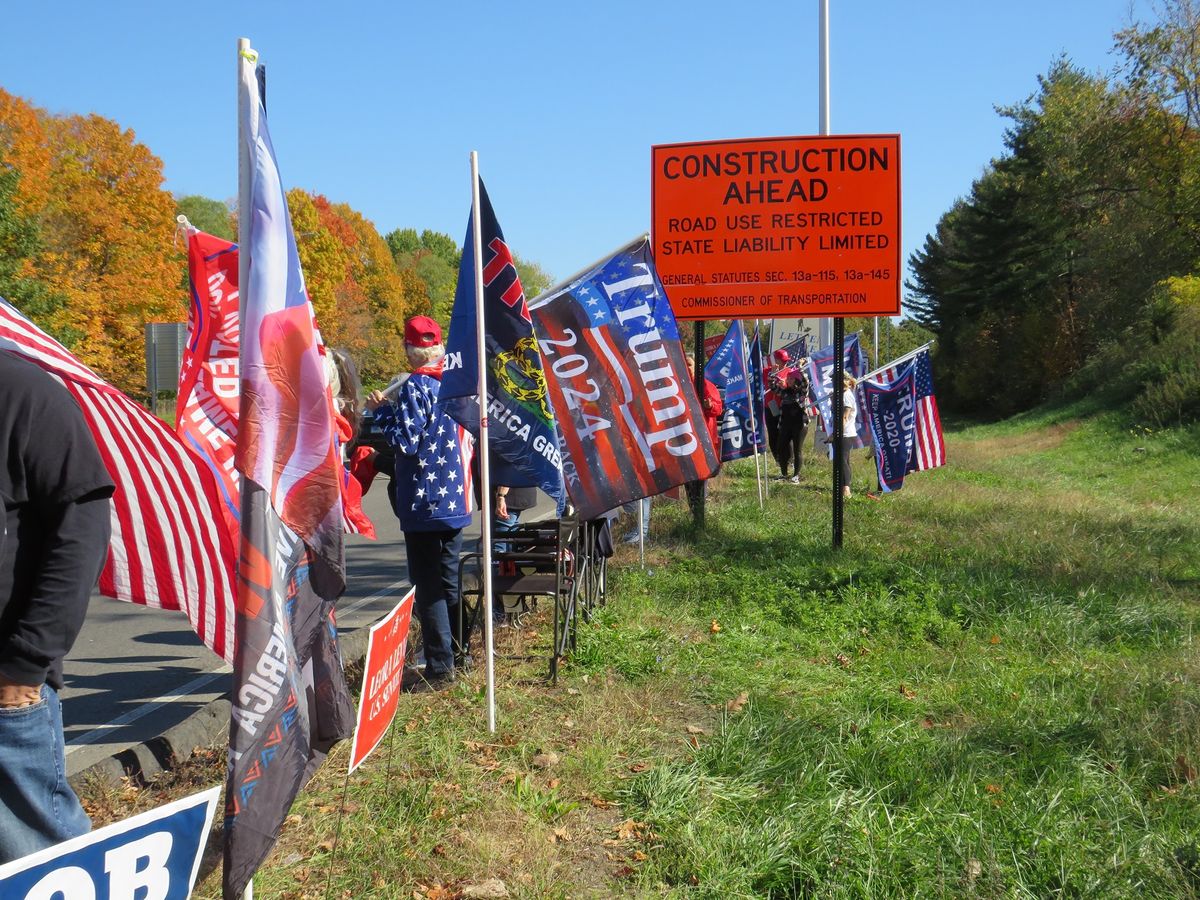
(772, 403)
(432, 496)
(775, 364)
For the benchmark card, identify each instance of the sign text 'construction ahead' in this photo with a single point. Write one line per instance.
(789, 227)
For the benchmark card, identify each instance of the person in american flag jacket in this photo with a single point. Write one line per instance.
(432, 497)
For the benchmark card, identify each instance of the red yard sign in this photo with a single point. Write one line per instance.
(386, 647)
(788, 227)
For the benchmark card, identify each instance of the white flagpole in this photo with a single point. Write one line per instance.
(754, 404)
(899, 359)
(245, 57)
(641, 531)
(485, 475)
(753, 422)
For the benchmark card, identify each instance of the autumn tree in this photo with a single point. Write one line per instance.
(106, 245)
(210, 216)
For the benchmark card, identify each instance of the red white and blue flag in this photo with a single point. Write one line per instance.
(888, 410)
(727, 370)
(171, 546)
(290, 701)
(631, 425)
(206, 407)
(522, 444)
(927, 443)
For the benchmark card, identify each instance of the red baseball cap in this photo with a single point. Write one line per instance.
(781, 356)
(422, 331)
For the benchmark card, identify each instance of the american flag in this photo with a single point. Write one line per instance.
(929, 446)
(170, 548)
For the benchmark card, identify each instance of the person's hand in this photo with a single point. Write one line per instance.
(15, 696)
(374, 400)
(501, 506)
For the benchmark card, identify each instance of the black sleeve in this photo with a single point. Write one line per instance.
(71, 559)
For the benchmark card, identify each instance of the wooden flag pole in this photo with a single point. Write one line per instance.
(485, 474)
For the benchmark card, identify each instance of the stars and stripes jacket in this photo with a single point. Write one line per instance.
(433, 457)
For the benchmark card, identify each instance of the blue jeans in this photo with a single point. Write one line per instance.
(501, 526)
(433, 571)
(37, 806)
(631, 509)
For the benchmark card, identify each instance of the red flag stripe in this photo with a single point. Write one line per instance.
(170, 545)
(189, 529)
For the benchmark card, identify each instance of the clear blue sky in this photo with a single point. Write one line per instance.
(378, 104)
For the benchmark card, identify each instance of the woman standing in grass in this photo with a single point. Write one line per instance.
(849, 427)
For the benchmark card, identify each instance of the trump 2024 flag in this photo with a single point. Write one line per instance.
(627, 411)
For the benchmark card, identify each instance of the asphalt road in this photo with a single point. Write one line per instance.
(135, 672)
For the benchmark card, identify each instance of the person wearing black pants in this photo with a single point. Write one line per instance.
(793, 422)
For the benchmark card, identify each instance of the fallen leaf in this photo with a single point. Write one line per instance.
(735, 705)
(630, 829)
(623, 872)
(993, 789)
(906, 692)
(994, 639)
(714, 627)
(561, 834)
(843, 660)
(927, 722)
(639, 767)
(438, 850)
(574, 692)
(599, 802)
(554, 782)
(695, 729)
(327, 846)
(640, 856)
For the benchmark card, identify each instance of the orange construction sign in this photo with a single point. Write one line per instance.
(789, 227)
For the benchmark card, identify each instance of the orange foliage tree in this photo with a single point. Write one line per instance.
(359, 296)
(107, 251)
(23, 149)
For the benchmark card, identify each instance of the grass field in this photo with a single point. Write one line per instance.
(993, 690)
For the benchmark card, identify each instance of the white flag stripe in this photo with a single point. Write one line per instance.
(182, 471)
(169, 548)
(136, 533)
(170, 473)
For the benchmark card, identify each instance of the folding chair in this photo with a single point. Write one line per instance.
(541, 561)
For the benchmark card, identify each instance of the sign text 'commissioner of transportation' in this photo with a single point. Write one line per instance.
(791, 227)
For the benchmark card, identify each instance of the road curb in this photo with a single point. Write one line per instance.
(203, 728)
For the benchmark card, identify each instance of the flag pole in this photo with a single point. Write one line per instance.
(641, 526)
(554, 289)
(245, 56)
(485, 475)
(753, 418)
(755, 400)
(899, 359)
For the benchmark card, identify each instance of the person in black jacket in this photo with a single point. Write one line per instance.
(55, 535)
(793, 419)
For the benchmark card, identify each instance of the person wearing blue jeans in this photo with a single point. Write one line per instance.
(632, 536)
(431, 496)
(53, 543)
(509, 503)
